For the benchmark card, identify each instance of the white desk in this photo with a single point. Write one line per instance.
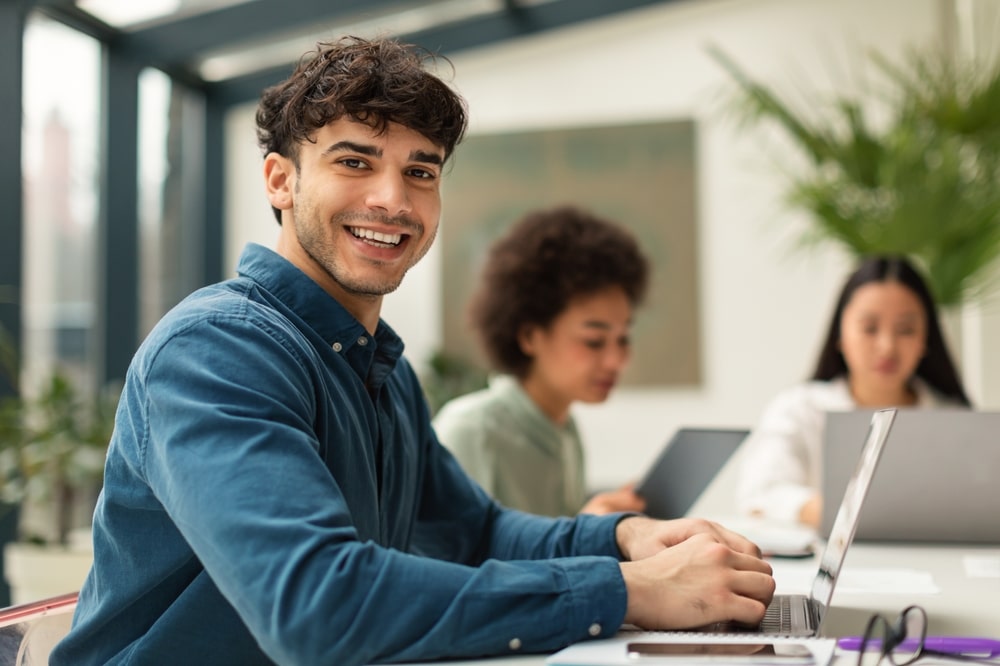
(964, 606)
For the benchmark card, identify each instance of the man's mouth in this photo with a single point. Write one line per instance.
(376, 238)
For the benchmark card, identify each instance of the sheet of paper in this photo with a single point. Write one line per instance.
(797, 578)
(982, 566)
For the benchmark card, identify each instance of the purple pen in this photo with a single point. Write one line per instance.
(969, 646)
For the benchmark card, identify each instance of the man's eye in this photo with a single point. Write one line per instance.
(353, 163)
(423, 174)
(594, 344)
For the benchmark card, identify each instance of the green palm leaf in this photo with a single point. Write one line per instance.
(925, 184)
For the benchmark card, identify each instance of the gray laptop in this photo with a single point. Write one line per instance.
(938, 481)
(795, 615)
(685, 467)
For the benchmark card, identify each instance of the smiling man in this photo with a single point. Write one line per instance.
(364, 206)
(274, 491)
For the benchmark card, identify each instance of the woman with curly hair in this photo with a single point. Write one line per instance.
(553, 311)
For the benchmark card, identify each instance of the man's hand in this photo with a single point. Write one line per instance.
(687, 573)
(699, 581)
(640, 537)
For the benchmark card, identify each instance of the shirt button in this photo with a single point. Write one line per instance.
(362, 341)
(594, 630)
(337, 346)
(515, 644)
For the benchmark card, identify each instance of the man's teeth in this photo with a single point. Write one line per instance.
(377, 236)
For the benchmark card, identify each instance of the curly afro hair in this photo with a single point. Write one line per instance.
(533, 272)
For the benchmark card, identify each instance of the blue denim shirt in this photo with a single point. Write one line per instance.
(274, 493)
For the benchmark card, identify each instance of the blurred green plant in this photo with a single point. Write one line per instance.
(448, 376)
(913, 171)
(52, 449)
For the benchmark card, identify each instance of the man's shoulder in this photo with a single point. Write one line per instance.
(238, 296)
(230, 308)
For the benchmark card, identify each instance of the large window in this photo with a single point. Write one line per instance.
(171, 196)
(60, 171)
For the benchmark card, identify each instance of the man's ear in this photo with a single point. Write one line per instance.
(279, 179)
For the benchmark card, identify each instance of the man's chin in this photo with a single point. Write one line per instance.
(371, 289)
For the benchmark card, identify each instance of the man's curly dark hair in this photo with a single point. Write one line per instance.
(533, 272)
(375, 82)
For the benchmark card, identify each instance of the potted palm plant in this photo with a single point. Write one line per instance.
(58, 442)
(54, 443)
(912, 167)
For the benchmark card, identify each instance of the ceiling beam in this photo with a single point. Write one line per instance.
(524, 21)
(521, 21)
(67, 13)
(179, 40)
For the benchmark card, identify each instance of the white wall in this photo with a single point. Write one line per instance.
(764, 302)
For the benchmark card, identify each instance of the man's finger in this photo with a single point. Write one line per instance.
(754, 585)
(744, 562)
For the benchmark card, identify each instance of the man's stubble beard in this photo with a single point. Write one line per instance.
(322, 250)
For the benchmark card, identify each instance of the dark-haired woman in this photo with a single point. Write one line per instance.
(884, 348)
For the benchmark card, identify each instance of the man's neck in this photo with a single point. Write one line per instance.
(366, 308)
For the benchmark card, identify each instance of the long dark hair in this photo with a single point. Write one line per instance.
(935, 368)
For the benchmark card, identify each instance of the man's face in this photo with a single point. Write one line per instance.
(364, 206)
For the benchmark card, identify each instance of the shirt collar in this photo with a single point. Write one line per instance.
(373, 357)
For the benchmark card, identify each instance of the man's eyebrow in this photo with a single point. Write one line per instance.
(364, 149)
(350, 146)
(424, 156)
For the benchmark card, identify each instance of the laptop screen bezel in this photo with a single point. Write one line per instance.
(845, 525)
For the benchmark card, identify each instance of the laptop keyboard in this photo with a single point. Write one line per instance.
(777, 620)
(778, 617)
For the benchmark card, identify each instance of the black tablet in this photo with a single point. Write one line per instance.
(685, 467)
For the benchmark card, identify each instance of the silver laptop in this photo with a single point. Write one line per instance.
(934, 452)
(685, 468)
(794, 615)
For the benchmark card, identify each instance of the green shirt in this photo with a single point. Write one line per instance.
(516, 453)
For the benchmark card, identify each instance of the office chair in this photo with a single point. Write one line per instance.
(28, 632)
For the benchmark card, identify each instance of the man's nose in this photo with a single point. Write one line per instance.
(389, 193)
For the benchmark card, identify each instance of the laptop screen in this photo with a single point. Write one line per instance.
(849, 513)
(942, 444)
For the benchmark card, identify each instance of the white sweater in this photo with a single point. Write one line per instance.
(780, 464)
